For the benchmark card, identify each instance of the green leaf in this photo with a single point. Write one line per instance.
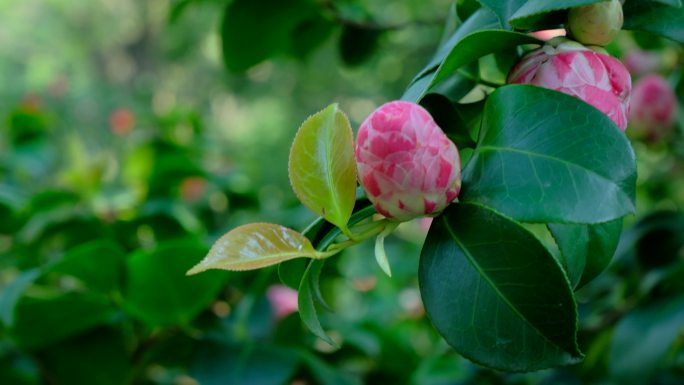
(40, 322)
(469, 49)
(449, 120)
(10, 295)
(220, 364)
(310, 34)
(322, 167)
(503, 9)
(476, 45)
(642, 339)
(158, 292)
(526, 15)
(97, 264)
(18, 368)
(672, 3)
(324, 373)
(308, 291)
(177, 9)
(495, 293)
(586, 249)
(255, 30)
(441, 368)
(656, 18)
(463, 9)
(254, 246)
(544, 156)
(471, 114)
(482, 19)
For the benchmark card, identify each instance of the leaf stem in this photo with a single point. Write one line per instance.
(364, 231)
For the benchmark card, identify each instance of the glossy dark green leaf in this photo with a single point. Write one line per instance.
(482, 19)
(158, 292)
(98, 357)
(469, 49)
(40, 322)
(525, 15)
(656, 18)
(471, 115)
(586, 249)
(479, 44)
(544, 156)
(459, 84)
(495, 293)
(642, 339)
(503, 9)
(448, 119)
(465, 8)
(255, 30)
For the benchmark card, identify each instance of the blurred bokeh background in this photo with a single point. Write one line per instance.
(129, 143)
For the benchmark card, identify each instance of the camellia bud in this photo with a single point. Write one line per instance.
(569, 67)
(596, 24)
(407, 165)
(654, 106)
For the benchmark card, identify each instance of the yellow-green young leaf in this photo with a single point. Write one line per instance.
(322, 167)
(254, 246)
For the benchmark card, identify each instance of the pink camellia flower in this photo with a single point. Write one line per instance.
(576, 70)
(407, 165)
(654, 105)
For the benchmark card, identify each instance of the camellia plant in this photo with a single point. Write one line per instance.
(514, 145)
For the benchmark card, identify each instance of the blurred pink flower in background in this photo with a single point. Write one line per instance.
(283, 300)
(569, 67)
(654, 106)
(122, 121)
(640, 62)
(193, 188)
(407, 165)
